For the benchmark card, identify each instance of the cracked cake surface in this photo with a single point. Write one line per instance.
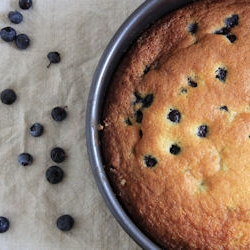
(176, 136)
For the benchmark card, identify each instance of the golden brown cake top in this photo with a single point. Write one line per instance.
(177, 125)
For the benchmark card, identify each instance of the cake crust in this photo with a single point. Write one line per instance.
(176, 130)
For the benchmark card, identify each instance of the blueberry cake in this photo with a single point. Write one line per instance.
(176, 128)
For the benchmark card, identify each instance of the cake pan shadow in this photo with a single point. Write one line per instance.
(129, 31)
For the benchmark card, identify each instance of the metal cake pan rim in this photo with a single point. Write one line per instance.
(146, 14)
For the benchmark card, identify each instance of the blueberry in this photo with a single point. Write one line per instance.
(138, 97)
(58, 113)
(150, 161)
(202, 131)
(36, 129)
(140, 133)
(225, 108)
(54, 174)
(22, 41)
(192, 83)
(25, 4)
(221, 74)
(25, 159)
(4, 224)
(184, 90)
(222, 31)
(15, 17)
(128, 122)
(139, 116)
(146, 70)
(8, 34)
(193, 27)
(65, 222)
(58, 155)
(147, 100)
(231, 21)
(174, 116)
(8, 96)
(174, 149)
(54, 57)
(231, 37)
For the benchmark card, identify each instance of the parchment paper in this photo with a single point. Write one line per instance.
(79, 30)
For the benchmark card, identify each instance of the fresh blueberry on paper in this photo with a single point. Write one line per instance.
(36, 129)
(4, 224)
(54, 174)
(25, 4)
(15, 17)
(57, 155)
(65, 222)
(59, 113)
(25, 159)
(8, 96)
(54, 57)
(22, 41)
(8, 34)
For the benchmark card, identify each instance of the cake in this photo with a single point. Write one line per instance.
(176, 128)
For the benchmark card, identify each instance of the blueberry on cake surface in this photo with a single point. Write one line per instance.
(202, 131)
(175, 143)
(193, 27)
(221, 74)
(224, 107)
(191, 82)
(150, 161)
(232, 21)
(174, 116)
(174, 149)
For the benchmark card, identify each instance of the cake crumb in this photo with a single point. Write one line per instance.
(100, 127)
(123, 182)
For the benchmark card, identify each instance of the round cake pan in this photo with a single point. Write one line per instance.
(131, 29)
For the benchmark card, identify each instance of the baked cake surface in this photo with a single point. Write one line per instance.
(176, 132)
